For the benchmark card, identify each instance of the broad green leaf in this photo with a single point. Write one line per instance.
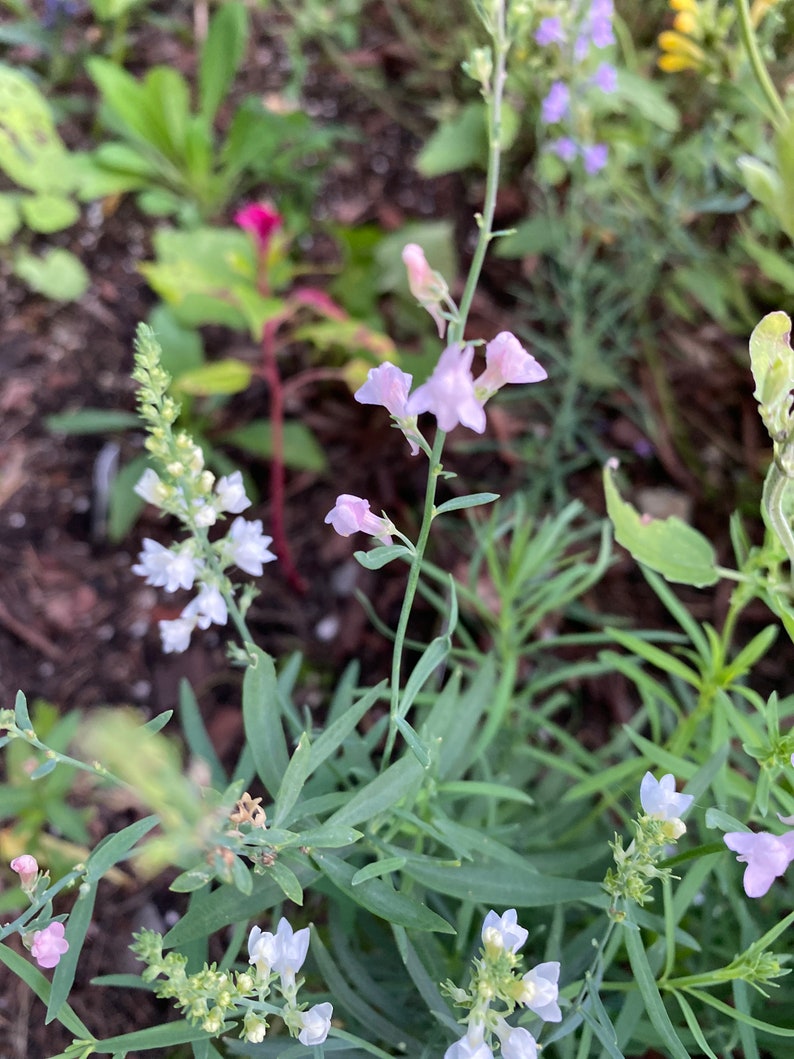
(302, 451)
(380, 898)
(456, 144)
(262, 719)
(32, 153)
(221, 56)
(287, 881)
(225, 376)
(181, 348)
(21, 715)
(772, 364)
(47, 213)
(669, 546)
(57, 274)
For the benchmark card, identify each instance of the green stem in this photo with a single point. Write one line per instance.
(456, 331)
(774, 491)
(758, 66)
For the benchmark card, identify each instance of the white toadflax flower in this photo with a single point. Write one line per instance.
(208, 608)
(316, 1023)
(175, 635)
(230, 493)
(168, 568)
(503, 932)
(660, 801)
(247, 546)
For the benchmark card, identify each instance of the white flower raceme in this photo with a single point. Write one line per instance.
(316, 1023)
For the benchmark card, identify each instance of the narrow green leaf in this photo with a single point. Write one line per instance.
(663, 660)
(740, 1016)
(694, 1025)
(294, 780)
(159, 722)
(425, 983)
(432, 657)
(654, 1005)
(333, 736)
(286, 879)
(35, 980)
(166, 1036)
(497, 791)
(399, 780)
(262, 720)
(93, 421)
(44, 769)
(221, 56)
(380, 898)
(196, 735)
(220, 377)
(376, 869)
(76, 928)
(381, 555)
(459, 503)
(21, 715)
(419, 749)
(117, 847)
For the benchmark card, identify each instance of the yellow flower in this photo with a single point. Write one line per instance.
(680, 53)
(685, 22)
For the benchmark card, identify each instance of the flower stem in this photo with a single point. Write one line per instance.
(758, 66)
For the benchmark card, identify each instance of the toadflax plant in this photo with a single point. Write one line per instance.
(346, 875)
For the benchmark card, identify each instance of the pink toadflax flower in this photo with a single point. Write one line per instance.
(767, 856)
(388, 386)
(506, 362)
(49, 945)
(427, 286)
(27, 869)
(261, 220)
(449, 392)
(351, 514)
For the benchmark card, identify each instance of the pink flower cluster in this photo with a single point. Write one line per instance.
(767, 856)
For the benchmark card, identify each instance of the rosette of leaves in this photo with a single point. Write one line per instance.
(42, 200)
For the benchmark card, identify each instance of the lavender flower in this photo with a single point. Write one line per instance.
(595, 157)
(550, 31)
(605, 78)
(555, 106)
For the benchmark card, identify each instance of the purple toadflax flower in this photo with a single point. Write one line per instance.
(427, 286)
(352, 514)
(550, 31)
(555, 106)
(389, 387)
(49, 945)
(767, 856)
(506, 362)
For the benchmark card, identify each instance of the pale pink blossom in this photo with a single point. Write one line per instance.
(539, 991)
(449, 392)
(388, 386)
(49, 945)
(27, 869)
(260, 220)
(316, 1022)
(506, 361)
(767, 856)
(427, 286)
(351, 514)
(503, 932)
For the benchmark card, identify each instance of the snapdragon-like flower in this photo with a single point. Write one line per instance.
(550, 31)
(659, 800)
(352, 514)
(555, 106)
(506, 362)
(767, 856)
(564, 147)
(503, 932)
(539, 991)
(247, 546)
(516, 1042)
(150, 488)
(175, 634)
(49, 945)
(168, 568)
(27, 869)
(449, 392)
(316, 1023)
(427, 286)
(470, 1046)
(230, 492)
(207, 608)
(595, 157)
(605, 78)
(389, 387)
